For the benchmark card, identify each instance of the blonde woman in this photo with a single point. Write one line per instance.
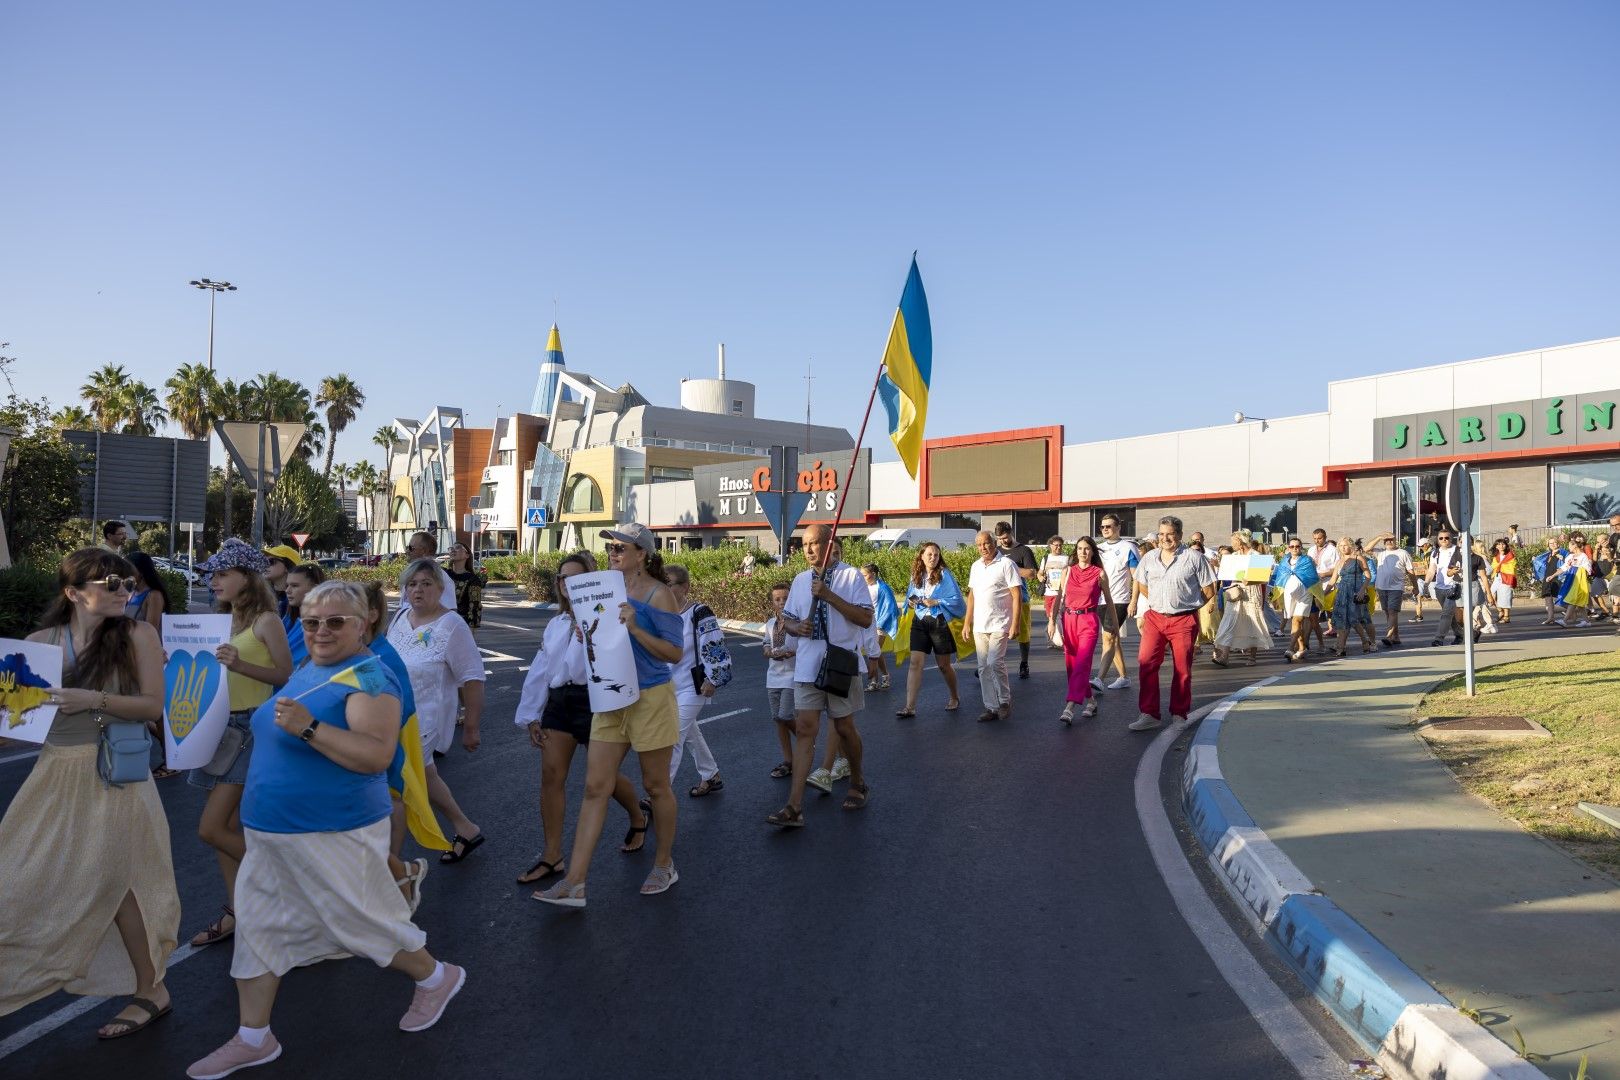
(1352, 608)
(257, 661)
(1243, 624)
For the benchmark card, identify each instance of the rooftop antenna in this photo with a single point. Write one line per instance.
(808, 379)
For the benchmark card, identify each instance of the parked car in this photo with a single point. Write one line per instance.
(336, 562)
(947, 539)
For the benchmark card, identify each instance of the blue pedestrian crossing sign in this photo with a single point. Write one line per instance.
(535, 517)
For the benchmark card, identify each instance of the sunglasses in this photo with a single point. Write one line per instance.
(112, 583)
(1295, 545)
(619, 549)
(333, 623)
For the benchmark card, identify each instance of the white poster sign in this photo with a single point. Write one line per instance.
(29, 671)
(596, 599)
(196, 700)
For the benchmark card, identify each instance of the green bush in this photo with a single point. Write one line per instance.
(387, 573)
(25, 592)
(176, 592)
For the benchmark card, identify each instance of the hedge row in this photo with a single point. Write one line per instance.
(27, 590)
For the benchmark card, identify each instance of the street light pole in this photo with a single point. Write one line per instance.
(214, 289)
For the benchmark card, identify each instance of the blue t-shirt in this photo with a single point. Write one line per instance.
(667, 625)
(390, 657)
(295, 641)
(293, 787)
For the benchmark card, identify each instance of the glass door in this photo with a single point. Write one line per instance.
(1420, 506)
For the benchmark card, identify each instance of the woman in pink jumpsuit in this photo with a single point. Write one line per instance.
(1082, 600)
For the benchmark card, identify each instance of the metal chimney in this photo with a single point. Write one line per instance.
(722, 361)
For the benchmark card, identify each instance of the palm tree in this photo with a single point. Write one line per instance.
(104, 393)
(193, 399)
(143, 413)
(1593, 506)
(74, 418)
(314, 437)
(342, 400)
(384, 437)
(273, 399)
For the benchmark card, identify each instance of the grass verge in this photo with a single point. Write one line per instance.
(1577, 698)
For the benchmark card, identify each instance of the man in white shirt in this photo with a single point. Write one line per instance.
(1119, 559)
(995, 591)
(1053, 566)
(1391, 575)
(1326, 556)
(823, 606)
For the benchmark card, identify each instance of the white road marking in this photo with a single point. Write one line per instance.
(509, 626)
(722, 716)
(24, 756)
(499, 657)
(1290, 1032)
(50, 1022)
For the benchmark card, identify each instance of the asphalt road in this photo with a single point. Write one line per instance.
(993, 912)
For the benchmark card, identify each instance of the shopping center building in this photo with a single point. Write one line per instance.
(1538, 428)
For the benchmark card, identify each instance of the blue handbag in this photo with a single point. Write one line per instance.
(123, 752)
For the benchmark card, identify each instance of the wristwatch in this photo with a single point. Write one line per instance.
(309, 732)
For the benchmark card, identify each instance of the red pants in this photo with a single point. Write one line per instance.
(1179, 632)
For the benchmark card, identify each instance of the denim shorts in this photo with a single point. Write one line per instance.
(237, 774)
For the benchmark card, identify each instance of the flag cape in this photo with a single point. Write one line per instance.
(908, 364)
(1577, 590)
(885, 612)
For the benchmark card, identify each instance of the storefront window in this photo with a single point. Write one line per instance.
(1126, 515)
(1584, 492)
(1420, 506)
(953, 520)
(1035, 527)
(1271, 520)
(584, 497)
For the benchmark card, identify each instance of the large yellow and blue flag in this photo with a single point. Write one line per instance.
(908, 363)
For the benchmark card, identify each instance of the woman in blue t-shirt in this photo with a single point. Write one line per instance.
(315, 810)
(650, 725)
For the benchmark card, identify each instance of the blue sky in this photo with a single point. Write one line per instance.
(1124, 213)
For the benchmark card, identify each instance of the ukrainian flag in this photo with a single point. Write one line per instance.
(908, 362)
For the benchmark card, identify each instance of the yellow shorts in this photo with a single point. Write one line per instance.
(651, 723)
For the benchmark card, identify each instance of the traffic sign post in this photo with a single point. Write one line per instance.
(1460, 503)
(535, 517)
(300, 539)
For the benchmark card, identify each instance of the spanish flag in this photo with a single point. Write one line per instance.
(908, 363)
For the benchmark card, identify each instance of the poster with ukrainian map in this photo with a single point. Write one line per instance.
(608, 656)
(196, 699)
(29, 671)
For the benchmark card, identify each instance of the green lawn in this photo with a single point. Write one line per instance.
(1577, 698)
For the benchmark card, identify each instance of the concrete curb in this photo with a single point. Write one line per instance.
(1414, 1030)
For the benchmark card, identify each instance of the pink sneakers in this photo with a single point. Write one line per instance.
(428, 1005)
(235, 1055)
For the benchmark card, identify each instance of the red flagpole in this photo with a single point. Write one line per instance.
(850, 475)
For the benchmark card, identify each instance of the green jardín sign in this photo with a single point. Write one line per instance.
(1576, 420)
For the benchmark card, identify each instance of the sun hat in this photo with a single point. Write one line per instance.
(234, 554)
(289, 555)
(633, 532)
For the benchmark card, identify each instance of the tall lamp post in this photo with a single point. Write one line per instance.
(214, 289)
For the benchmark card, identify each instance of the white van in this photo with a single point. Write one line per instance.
(947, 539)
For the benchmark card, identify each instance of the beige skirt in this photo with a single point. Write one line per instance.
(304, 897)
(71, 849)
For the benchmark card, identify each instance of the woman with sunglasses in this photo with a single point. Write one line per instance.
(1294, 574)
(315, 884)
(88, 887)
(256, 661)
(556, 710)
(650, 726)
(447, 672)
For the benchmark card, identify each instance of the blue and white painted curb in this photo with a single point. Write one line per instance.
(1389, 1009)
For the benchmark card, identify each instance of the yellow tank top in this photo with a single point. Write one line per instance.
(248, 693)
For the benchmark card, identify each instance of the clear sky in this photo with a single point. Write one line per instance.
(1130, 217)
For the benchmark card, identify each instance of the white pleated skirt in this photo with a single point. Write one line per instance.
(305, 897)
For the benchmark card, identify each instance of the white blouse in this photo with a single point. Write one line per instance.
(440, 655)
(559, 660)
